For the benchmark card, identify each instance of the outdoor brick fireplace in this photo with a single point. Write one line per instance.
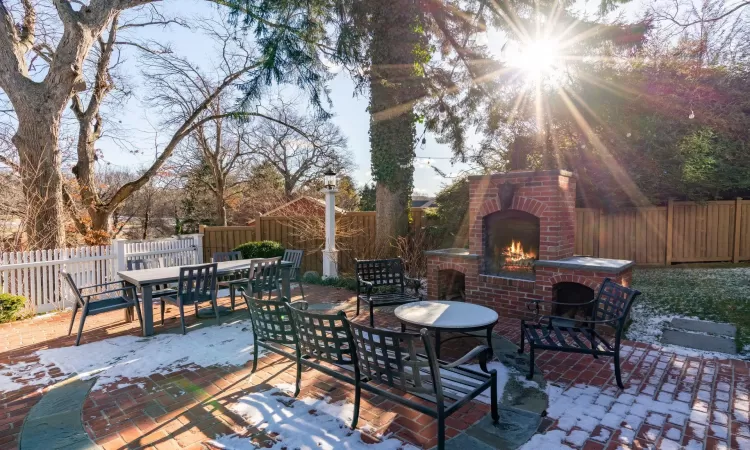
(521, 247)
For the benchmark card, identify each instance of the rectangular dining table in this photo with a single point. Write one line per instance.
(146, 279)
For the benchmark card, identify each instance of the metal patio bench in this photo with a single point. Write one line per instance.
(197, 284)
(113, 296)
(611, 307)
(381, 282)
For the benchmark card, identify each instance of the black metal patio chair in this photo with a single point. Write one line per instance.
(141, 264)
(197, 284)
(234, 282)
(295, 275)
(391, 358)
(381, 282)
(99, 299)
(611, 307)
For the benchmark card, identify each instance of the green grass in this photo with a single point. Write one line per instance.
(710, 292)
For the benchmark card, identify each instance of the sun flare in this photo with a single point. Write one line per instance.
(537, 57)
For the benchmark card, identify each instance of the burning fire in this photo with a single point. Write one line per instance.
(514, 253)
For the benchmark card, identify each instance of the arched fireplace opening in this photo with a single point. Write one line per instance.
(511, 243)
(451, 285)
(565, 294)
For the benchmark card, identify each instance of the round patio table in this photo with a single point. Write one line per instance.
(446, 316)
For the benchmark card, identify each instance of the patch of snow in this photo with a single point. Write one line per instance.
(305, 423)
(127, 357)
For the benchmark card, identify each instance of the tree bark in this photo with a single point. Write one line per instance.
(39, 155)
(394, 87)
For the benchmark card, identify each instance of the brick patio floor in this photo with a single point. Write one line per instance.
(188, 408)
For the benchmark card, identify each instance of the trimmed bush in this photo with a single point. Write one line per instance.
(11, 307)
(262, 249)
(344, 282)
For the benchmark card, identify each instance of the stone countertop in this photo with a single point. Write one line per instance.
(457, 252)
(588, 263)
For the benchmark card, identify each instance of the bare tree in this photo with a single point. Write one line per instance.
(300, 153)
(39, 95)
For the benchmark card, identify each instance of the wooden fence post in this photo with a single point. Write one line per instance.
(258, 236)
(670, 226)
(737, 227)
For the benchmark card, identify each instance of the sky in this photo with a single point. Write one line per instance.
(350, 112)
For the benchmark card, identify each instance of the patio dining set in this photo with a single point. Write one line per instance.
(403, 366)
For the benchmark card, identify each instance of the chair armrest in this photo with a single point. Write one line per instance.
(120, 282)
(482, 351)
(368, 285)
(550, 318)
(552, 302)
(301, 305)
(122, 289)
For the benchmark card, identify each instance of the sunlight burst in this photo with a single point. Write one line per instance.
(537, 57)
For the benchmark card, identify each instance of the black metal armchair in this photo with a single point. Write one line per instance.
(381, 282)
(100, 298)
(611, 307)
(295, 257)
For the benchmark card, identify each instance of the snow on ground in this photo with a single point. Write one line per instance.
(132, 357)
(300, 423)
(579, 410)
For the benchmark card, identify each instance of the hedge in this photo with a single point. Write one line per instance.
(262, 249)
(11, 307)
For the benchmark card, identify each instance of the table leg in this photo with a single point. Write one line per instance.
(403, 327)
(437, 343)
(129, 311)
(286, 288)
(148, 311)
(489, 338)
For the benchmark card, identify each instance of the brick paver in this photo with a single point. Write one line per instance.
(188, 408)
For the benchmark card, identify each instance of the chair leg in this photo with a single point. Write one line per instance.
(182, 318)
(441, 430)
(231, 295)
(215, 305)
(618, 375)
(255, 354)
(80, 326)
(523, 337)
(73, 318)
(531, 362)
(357, 395)
(494, 399)
(163, 305)
(138, 312)
(302, 291)
(357, 306)
(372, 316)
(298, 381)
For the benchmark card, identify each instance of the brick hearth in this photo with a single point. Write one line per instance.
(548, 195)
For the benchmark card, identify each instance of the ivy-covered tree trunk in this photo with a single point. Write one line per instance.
(397, 38)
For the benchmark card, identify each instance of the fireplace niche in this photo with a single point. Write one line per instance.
(511, 244)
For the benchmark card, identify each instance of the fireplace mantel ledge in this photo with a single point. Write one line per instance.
(457, 252)
(588, 263)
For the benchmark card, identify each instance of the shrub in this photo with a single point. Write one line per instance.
(262, 249)
(11, 307)
(344, 282)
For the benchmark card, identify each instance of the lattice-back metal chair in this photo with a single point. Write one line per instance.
(273, 329)
(100, 298)
(295, 274)
(265, 276)
(611, 307)
(142, 264)
(197, 284)
(218, 257)
(234, 282)
(377, 274)
(325, 339)
(393, 359)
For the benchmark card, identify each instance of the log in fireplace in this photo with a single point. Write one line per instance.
(511, 243)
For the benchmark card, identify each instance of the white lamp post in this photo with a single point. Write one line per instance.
(330, 254)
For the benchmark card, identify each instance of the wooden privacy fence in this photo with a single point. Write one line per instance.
(677, 233)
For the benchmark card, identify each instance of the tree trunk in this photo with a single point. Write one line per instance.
(394, 87)
(39, 155)
(221, 211)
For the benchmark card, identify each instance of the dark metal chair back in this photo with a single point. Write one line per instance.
(382, 272)
(326, 337)
(197, 283)
(226, 256)
(390, 357)
(613, 303)
(73, 287)
(142, 264)
(272, 321)
(295, 257)
(266, 275)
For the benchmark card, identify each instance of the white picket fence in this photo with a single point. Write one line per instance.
(36, 274)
